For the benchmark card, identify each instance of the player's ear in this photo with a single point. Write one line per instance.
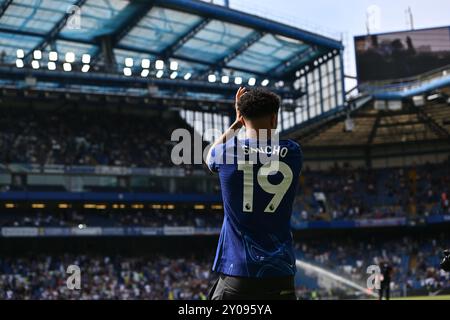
(243, 121)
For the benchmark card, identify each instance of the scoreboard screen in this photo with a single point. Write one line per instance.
(399, 55)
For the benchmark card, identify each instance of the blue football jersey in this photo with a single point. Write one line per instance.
(258, 186)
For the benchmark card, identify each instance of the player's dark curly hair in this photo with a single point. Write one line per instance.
(257, 103)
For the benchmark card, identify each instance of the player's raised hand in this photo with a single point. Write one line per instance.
(241, 91)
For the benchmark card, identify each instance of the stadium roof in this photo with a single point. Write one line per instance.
(200, 36)
(375, 126)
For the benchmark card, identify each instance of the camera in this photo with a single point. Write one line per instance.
(445, 263)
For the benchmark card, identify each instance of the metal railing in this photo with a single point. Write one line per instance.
(406, 83)
(255, 8)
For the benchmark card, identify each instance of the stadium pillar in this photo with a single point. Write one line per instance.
(368, 157)
(19, 181)
(319, 69)
(172, 185)
(123, 182)
(224, 125)
(109, 60)
(335, 77)
(372, 135)
(342, 79)
(307, 98)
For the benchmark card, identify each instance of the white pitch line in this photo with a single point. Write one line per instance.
(310, 267)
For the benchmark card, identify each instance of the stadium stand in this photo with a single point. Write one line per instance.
(88, 138)
(177, 275)
(110, 218)
(346, 193)
(85, 152)
(336, 194)
(415, 260)
(42, 277)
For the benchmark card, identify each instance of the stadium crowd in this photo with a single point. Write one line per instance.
(346, 193)
(154, 218)
(340, 194)
(415, 260)
(44, 277)
(85, 138)
(104, 138)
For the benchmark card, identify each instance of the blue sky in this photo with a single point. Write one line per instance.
(349, 16)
